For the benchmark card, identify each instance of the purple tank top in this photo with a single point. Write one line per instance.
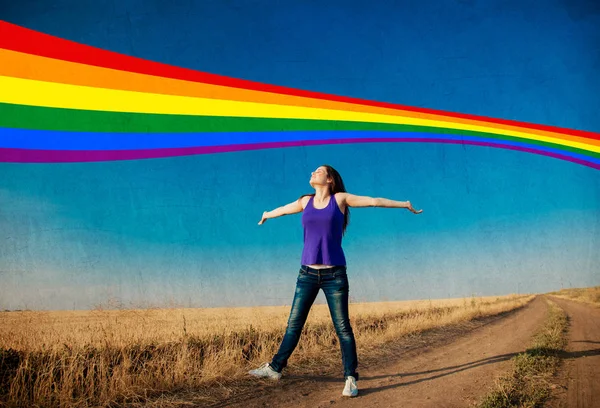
(323, 234)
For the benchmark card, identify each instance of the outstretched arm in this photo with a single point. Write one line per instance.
(352, 200)
(291, 208)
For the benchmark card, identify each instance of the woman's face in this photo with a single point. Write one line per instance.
(319, 177)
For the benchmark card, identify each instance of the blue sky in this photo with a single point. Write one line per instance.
(183, 230)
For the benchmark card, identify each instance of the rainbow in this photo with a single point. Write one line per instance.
(61, 101)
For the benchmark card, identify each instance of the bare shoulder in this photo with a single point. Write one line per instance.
(304, 201)
(340, 198)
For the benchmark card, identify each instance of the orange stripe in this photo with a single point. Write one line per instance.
(27, 66)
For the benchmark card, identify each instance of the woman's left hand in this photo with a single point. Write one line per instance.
(411, 209)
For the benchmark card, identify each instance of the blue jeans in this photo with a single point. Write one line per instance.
(334, 283)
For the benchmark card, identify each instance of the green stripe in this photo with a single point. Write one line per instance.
(42, 118)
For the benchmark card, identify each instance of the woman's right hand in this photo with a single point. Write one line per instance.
(263, 219)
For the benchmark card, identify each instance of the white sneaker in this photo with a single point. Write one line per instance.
(350, 389)
(265, 371)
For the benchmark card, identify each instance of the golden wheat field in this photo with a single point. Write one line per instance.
(141, 357)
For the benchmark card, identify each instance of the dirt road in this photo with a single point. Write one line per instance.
(579, 378)
(455, 374)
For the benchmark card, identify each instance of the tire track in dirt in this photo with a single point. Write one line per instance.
(451, 375)
(579, 376)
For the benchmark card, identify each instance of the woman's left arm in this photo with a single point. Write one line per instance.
(352, 200)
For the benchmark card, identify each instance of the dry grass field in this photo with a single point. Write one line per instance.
(587, 295)
(127, 357)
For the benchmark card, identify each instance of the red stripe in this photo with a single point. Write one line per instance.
(17, 38)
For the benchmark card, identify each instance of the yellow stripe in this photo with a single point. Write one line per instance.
(40, 93)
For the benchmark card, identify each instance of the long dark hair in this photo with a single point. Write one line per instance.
(337, 186)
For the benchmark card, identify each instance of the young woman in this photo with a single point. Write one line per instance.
(325, 218)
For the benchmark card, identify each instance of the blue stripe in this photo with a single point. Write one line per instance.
(61, 140)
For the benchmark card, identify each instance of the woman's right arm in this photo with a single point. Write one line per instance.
(291, 208)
